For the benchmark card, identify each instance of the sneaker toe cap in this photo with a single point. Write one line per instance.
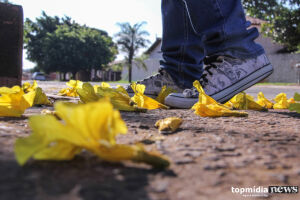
(178, 100)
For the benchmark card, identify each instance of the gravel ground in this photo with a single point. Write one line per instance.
(209, 156)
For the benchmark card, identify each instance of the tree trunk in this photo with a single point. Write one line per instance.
(130, 58)
(129, 72)
(64, 76)
(74, 75)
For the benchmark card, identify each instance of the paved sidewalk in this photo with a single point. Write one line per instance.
(271, 91)
(209, 156)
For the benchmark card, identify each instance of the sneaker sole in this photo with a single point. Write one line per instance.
(177, 100)
(148, 95)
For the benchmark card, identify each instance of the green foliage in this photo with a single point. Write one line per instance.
(4, 1)
(295, 106)
(62, 45)
(297, 96)
(130, 39)
(116, 67)
(283, 20)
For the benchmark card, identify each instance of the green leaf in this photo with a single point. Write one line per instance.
(295, 107)
(297, 96)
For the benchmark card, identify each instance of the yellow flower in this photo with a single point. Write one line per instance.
(263, 101)
(105, 85)
(87, 93)
(72, 91)
(118, 96)
(27, 87)
(6, 90)
(165, 91)
(15, 104)
(91, 126)
(242, 101)
(74, 84)
(41, 98)
(142, 100)
(168, 125)
(291, 100)
(208, 107)
(95, 87)
(281, 102)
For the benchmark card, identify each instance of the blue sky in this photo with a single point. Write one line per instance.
(102, 14)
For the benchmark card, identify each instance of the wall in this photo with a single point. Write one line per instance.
(284, 64)
(152, 67)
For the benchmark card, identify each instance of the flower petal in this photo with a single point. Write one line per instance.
(208, 107)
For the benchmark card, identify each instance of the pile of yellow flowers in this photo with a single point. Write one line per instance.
(14, 101)
(72, 90)
(95, 121)
(243, 101)
(120, 98)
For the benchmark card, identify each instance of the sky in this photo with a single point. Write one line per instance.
(101, 14)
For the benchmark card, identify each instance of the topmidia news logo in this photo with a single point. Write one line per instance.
(260, 191)
(283, 189)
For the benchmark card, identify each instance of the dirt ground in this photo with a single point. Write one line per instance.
(209, 156)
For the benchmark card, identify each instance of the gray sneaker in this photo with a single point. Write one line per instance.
(155, 83)
(224, 77)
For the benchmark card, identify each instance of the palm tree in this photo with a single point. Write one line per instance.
(130, 39)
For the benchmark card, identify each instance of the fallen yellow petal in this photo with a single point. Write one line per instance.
(242, 101)
(208, 107)
(72, 91)
(105, 85)
(15, 104)
(144, 101)
(261, 100)
(87, 93)
(74, 84)
(27, 87)
(118, 97)
(168, 125)
(91, 126)
(6, 90)
(41, 98)
(165, 91)
(291, 100)
(281, 102)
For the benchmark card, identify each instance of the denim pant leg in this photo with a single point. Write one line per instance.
(182, 50)
(193, 29)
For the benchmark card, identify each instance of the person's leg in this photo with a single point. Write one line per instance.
(182, 51)
(236, 62)
(182, 48)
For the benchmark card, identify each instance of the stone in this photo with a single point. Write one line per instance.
(184, 161)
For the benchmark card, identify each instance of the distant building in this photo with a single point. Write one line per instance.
(152, 63)
(284, 64)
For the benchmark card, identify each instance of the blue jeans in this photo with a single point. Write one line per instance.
(194, 29)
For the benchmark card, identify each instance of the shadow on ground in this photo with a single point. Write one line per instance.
(289, 114)
(83, 178)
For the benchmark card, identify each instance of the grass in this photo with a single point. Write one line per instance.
(276, 83)
(121, 81)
